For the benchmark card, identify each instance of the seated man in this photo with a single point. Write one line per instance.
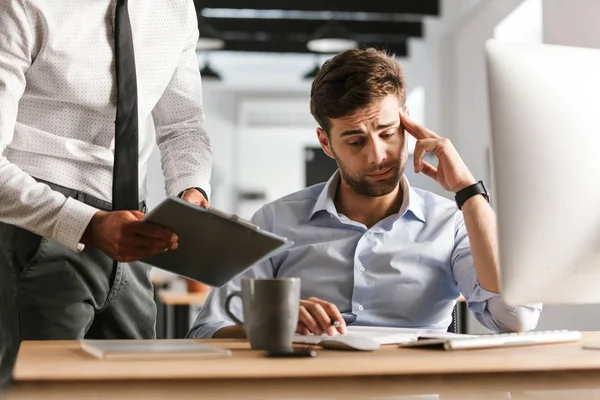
(370, 249)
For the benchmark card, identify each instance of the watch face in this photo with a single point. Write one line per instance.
(485, 189)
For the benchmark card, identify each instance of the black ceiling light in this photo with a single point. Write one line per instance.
(314, 71)
(209, 38)
(331, 38)
(208, 73)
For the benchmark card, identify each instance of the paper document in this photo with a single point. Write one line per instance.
(384, 335)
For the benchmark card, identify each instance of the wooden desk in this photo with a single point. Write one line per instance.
(175, 308)
(62, 370)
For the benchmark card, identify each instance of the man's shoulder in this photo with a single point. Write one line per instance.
(433, 198)
(302, 198)
(432, 202)
(290, 210)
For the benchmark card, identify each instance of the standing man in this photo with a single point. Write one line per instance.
(86, 87)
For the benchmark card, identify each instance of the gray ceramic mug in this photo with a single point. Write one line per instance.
(270, 312)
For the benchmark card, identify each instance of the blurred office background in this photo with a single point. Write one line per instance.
(258, 66)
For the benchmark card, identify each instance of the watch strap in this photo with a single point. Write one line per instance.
(470, 191)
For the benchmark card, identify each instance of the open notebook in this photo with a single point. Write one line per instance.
(151, 349)
(384, 335)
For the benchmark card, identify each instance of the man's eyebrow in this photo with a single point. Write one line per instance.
(352, 132)
(360, 131)
(388, 125)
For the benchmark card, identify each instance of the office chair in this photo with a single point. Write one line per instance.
(455, 325)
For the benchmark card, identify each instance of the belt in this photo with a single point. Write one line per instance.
(86, 198)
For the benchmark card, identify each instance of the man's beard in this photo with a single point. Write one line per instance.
(375, 188)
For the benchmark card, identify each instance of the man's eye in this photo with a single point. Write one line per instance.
(357, 143)
(387, 135)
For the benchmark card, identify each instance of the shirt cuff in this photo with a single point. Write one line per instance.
(477, 301)
(494, 314)
(202, 192)
(187, 183)
(208, 330)
(71, 222)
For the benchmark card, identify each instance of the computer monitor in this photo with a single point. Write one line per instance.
(545, 120)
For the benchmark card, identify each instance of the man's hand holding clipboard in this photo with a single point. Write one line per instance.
(213, 246)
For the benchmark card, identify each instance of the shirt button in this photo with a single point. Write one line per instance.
(360, 308)
(361, 268)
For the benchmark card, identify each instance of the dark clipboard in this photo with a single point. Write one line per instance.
(214, 246)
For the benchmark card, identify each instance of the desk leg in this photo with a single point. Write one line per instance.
(161, 320)
(178, 321)
(182, 321)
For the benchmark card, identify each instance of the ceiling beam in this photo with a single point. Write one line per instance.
(285, 26)
(281, 46)
(422, 7)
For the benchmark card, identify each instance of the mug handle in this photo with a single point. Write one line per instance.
(228, 301)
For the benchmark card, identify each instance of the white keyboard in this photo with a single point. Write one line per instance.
(498, 340)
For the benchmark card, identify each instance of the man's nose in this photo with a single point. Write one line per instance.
(376, 152)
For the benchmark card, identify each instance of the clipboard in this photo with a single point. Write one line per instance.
(214, 246)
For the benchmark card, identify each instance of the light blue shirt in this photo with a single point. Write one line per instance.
(405, 271)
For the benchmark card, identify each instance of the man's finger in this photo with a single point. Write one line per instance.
(333, 312)
(204, 203)
(429, 170)
(308, 321)
(301, 329)
(422, 147)
(137, 214)
(414, 129)
(197, 200)
(195, 197)
(322, 318)
(154, 231)
(136, 253)
(153, 244)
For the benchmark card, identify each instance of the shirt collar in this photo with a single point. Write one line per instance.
(411, 200)
(325, 200)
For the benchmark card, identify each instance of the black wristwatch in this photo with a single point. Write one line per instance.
(470, 191)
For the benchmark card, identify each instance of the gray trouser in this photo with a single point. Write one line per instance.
(48, 292)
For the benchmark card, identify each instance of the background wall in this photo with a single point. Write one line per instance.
(259, 121)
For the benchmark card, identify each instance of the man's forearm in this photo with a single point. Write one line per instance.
(230, 332)
(37, 208)
(480, 221)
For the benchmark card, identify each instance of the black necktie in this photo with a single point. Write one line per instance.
(125, 172)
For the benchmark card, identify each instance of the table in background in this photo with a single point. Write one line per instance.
(173, 312)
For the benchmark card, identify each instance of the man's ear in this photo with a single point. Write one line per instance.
(325, 142)
(407, 111)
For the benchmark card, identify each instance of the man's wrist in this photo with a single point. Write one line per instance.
(470, 191)
(202, 192)
(88, 234)
(465, 184)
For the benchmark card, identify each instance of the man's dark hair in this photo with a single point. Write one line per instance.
(352, 80)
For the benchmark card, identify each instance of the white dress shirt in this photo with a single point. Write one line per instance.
(405, 271)
(58, 106)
